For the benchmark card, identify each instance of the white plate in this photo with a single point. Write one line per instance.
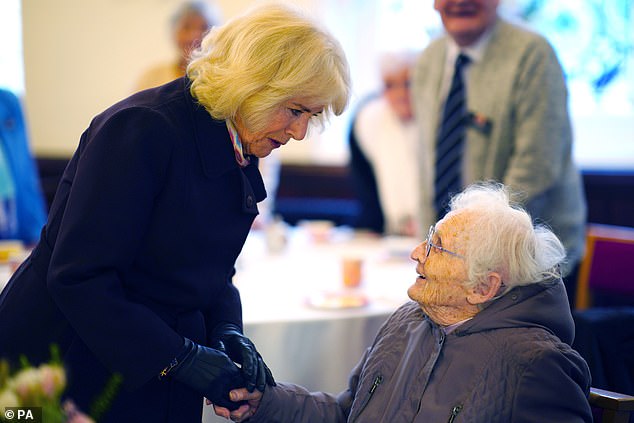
(337, 300)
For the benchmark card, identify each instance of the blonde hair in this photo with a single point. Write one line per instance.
(502, 237)
(256, 62)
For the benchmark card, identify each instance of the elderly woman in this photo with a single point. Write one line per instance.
(382, 141)
(487, 338)
(133, 272)
(189, 24)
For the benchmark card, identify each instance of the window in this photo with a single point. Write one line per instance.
(595, 44)
(593, 39)
(11, 64)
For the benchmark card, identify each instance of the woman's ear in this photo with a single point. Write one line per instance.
(485, 290)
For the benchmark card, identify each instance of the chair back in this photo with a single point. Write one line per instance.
(610, 407)
(608, 265)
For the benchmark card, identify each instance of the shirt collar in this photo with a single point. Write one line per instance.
(474, 51)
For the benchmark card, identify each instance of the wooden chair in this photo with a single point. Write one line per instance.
(611, 407)
(608, 265)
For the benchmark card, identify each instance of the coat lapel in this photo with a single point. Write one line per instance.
(214, 147)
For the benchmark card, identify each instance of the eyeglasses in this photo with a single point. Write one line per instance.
(429, 244)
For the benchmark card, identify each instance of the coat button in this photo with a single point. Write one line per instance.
(249, 201)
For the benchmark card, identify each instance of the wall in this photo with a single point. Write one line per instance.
(83, 55)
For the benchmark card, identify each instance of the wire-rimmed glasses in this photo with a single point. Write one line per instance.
(429, 245)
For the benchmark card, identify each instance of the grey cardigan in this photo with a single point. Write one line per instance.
(520, 88)
(511, 363)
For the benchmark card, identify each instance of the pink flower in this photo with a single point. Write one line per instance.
(34, 385)
(53, 380)
(73, 415)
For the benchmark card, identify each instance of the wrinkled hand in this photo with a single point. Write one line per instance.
(245, 411)
(228, 338)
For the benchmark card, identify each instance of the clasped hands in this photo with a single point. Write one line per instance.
(249, 402)
(213, 372)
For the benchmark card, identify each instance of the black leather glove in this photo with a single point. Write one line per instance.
(228, 338)
(209, 372)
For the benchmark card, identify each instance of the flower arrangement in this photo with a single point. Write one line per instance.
(42, 387)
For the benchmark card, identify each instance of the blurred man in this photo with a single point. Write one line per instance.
(491, 102)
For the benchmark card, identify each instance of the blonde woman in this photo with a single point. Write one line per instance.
(133, 272)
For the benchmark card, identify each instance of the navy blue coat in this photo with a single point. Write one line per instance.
(138, 251)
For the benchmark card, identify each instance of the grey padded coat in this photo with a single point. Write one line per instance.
(511, 363)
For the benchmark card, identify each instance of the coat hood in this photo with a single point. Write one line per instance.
(543, 305)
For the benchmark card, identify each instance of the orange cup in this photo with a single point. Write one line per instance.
(352, 271)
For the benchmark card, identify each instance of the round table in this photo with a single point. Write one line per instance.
(290, 298)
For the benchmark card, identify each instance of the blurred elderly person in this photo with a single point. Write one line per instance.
(133, 273)
(486, 339)
(188, 26)
(382, 142)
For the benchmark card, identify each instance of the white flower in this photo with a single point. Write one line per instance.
(26, 383)
(37, 384)
(8, 399)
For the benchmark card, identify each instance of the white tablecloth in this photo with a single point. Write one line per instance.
(302, 343)
(305, 344)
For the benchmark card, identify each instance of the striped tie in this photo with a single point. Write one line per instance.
(449, 144)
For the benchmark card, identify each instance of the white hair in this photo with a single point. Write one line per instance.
(209, 11)
(501, 237)
(395, 61)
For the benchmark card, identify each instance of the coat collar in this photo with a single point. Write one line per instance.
(211, 137)
(216, 154)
